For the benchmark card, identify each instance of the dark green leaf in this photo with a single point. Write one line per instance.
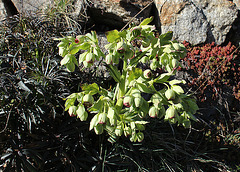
(165, 38)
(143, 88)
(91, 89)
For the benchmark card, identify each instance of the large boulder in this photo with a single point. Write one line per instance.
(24, 6)
(197, 21)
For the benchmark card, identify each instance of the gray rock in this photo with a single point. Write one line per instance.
(197, 21)
(24, 6)
(185, 20)
(221, 15)
(3, 12)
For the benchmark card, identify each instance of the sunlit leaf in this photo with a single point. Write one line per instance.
(177, 89)
(146, 21)
(112, 35)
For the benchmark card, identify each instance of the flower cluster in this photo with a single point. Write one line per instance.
(124, 110)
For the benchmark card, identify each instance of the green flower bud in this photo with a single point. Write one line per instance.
(153, 112)
(119, 130)
(138, 101)
(88, 100)
(72, 111)
(94, 122)
(147, 74)
(137, 97)
(109, 59)
(102, 118)
(127, 131)
(175, 63)
(171, 113)
(111, 116)
(136, 93)
(128, 101)
(81, 113)
(170, 94)
(90, 58)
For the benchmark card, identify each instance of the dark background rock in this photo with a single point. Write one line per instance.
(114, 14)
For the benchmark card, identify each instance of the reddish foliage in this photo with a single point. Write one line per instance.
(214, 67)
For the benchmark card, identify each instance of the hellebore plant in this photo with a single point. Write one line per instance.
(123, 110)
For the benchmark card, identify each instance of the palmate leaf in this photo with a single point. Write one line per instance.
(134, 74)
(112, 35)
(97, 106)
(165, 38)
(90, 89)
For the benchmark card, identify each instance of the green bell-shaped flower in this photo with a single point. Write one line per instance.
(153, 112)
(88, 100)
(128, 101)
(170, 94)
(72, 110)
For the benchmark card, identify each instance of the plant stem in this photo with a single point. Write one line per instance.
(122, 86)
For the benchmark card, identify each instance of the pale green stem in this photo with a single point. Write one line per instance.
(122, 89)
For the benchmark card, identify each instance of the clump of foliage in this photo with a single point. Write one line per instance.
(214, 69)
(122, 110)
